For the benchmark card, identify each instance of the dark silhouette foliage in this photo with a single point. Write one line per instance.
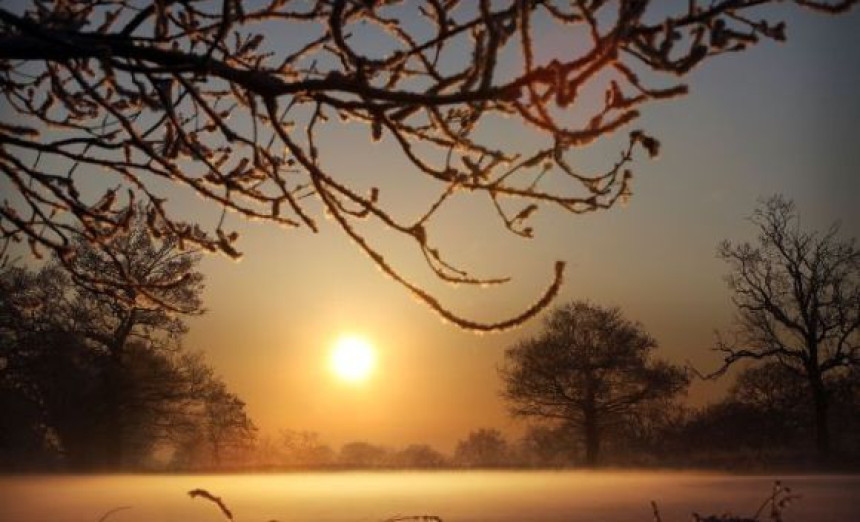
(99, 380)
(363, 455)
(767, 420)
(797, 295)
(154, 99)
(419, 456)
(591, 369)
(548, 446)
(483, 448)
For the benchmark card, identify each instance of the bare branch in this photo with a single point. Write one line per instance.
(170, 93)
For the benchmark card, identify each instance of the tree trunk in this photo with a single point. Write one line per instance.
(590, 416)
(592, 446)
(821, 403)
(116, 396)
(592, 440)
(113, 429)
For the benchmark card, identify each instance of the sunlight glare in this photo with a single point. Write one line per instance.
(353, 358)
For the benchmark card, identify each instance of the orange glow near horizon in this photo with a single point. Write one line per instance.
(353, 358)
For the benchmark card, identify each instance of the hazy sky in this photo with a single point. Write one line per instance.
(779, 118)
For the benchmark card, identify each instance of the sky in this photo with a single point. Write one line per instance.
(780, 118)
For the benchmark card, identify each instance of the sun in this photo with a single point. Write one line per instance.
(353, 358)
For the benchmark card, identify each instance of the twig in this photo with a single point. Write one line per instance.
(194, 493)
(112, 511)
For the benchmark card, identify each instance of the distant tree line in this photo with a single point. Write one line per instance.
(763, 423)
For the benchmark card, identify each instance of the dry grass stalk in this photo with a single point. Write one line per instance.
(194, 493)
(780, 497)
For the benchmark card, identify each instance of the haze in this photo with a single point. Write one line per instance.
(777, 119)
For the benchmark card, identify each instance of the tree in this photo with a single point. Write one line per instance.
(47, 376)
(797, 295)
(213, 428)
(590, 368)
(483, 448)
(419, 456)
(161, 284)
(725, 434)
(363, 455)
(544, 446)
(117, 335)
(68, 400)
(761, 422)
(778, 395)
(226, 424)
(783, 416)
(304, 449)
(172, 96)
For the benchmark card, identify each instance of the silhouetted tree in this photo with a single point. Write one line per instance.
(99, 373)
(419, 456)
(168, 96)
(483, 448)
(211, 428)
(763, 421)
(769, 387)
(66, 393)
(589, 368)
(304, 449)
(49, 373)
(363, 455)
(646, 437)
(724, 434)
(49, 378)
(548, 445)
(779, 395)
(845, 408)
(797, 295)
(226, 424)
(23, 432)
(51, 312)
(163, 284)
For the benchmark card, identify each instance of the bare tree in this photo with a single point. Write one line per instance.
(590, 368)
(214, 428)
(160, 285)
(777, 397)
(419, 456)
(195, 97)
(363, 455)
(797, 295)
(304, 449)
(125, 325)
(545, 445)
(483, 448)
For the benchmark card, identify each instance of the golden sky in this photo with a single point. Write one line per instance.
(779, 118)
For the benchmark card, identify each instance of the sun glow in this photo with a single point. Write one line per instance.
(353, 358)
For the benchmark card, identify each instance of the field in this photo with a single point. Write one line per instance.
(568, 496)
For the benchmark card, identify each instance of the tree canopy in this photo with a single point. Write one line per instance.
(589, 368)
(153, 99)
(483, 448)
(94, 379)
(797, 294)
